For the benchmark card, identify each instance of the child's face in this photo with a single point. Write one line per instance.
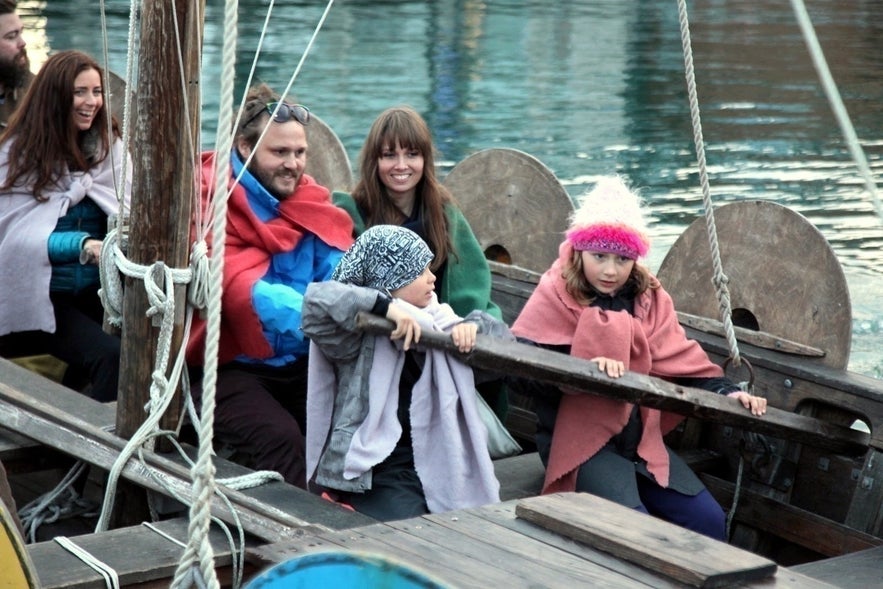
(419, 292)
(607, 273)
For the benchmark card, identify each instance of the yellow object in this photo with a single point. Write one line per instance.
(45, 365)
(16, 569)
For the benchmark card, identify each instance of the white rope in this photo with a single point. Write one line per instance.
(719, 279)
(159, 283)
(830, 87)
(196, 566)
(111, 579)
(285, 92)
(120, 183)
(165, 535)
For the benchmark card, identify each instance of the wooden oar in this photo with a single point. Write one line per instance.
(515, 359)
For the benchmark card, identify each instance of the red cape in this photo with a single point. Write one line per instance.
(249, 245)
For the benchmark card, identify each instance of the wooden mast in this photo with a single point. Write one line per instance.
(164, 139)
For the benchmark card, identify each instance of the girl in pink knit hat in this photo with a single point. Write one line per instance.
(599, 303)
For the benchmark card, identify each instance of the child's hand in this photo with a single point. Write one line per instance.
(407, 327)
(757, 405)
(613, 368)
(463, 335)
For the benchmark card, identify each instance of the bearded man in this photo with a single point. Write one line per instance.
(15, 68)
(283, 233)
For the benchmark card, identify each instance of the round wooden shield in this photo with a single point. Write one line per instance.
(327, 161)
(515, 205)
(784, 278)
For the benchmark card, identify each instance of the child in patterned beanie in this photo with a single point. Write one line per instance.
(393, 429)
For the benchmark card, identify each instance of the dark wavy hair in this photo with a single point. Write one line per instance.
(405, 126)
(45, 140)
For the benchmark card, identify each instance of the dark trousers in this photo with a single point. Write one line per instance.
(396, 491)
(612, 476)
(261, 412)
(92, 355)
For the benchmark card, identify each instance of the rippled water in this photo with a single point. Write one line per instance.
(589, 88)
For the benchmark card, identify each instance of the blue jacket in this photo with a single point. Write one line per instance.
(278, 296)
(82, 221)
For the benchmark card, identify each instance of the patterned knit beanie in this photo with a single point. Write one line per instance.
(609, 220)
(385, 257)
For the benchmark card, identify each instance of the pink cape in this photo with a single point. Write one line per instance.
(650, 342)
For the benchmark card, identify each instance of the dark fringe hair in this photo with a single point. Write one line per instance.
(405, 126)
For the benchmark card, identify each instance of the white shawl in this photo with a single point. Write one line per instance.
(448, 436)
(25, 225)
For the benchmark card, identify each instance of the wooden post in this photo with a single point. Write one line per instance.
(166, 139)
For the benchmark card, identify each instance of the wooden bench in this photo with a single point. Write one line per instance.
(138, 554)
(858, 570)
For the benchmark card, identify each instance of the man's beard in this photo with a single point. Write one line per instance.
(266, 179)
(13, 72)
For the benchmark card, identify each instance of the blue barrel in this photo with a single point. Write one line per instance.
(352, 570)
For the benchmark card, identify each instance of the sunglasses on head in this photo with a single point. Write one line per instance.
(286, 112)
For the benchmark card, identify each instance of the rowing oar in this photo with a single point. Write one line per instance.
(522, 360)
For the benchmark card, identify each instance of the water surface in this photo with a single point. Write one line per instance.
(589, 88)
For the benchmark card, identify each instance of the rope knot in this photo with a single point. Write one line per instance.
(199, 292)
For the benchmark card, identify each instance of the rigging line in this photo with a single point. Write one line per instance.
(719, 278)
(239, 112)
(287, 88)
(834, 98)
(120, 183)
(198, 555)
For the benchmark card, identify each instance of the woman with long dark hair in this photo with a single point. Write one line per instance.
(61, 158)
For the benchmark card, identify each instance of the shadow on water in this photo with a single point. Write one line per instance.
(589, 90)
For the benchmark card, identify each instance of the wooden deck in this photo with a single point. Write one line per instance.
(563, 540)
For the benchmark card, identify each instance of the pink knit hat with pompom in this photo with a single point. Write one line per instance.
(609, 220)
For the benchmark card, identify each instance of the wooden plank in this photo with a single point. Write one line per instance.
(526, 361)
(796, 525)
(492, 552)
(789, 381)
(858, 570)
(503, 558)
(503, 514)
(663, 547)
(138, 555)
(490, 547)
(591, 567)
(69, 433)
(760, 339)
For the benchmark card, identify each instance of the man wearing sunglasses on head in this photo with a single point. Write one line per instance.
(283, 233)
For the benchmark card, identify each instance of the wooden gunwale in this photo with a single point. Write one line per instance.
(516, 359)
